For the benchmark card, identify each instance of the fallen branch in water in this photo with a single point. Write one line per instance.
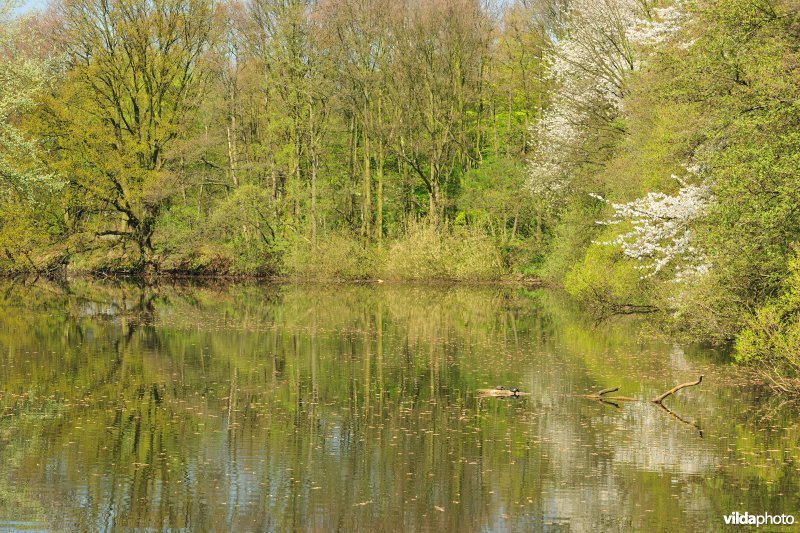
(501, 393)
(601, 396)
(606, 391)
(673, 390)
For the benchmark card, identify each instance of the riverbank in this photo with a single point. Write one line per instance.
(423, 252)
(67, 275)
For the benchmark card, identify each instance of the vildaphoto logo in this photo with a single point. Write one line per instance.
(747, 519)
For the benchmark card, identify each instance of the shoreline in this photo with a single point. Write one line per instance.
(287, 279)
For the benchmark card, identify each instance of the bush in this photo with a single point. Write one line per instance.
(606, 280)
(176, 231)
(770, 342)
(572, 237)
(246, 226)
(337, 255)
(426, 251)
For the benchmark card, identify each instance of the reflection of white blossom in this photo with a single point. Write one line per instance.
(661, 231)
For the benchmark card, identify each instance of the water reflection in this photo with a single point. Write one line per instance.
(247, 407)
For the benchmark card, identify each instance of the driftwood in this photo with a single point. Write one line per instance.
(600, 396)
(501, 393)
(675, 389)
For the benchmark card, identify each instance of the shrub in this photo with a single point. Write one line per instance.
(427, 251)
(770, 342)
(337, 255)
(245, 224)
(572, 236)
(606, 280)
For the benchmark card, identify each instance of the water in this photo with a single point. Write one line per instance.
(247, 407)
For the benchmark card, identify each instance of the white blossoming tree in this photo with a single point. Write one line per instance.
(21, 78)
(661, 231)
(588, 63)
(600, 43)
(25, 185)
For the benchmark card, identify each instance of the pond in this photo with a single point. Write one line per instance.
(251, 407)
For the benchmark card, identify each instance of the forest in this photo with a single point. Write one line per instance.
(641, 154)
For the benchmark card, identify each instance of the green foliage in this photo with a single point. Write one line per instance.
(490, 197)
(246, 224)
(745, 70)
(181, 247)
(240, 236)
(605, 279)
(283, 138)
(721, 98)
(195, 137)
(428, 252)
(644, 159)
(423, 252)
(571, 237)
(136, 75)
(770, 341)
(336, 255)
(29, 223)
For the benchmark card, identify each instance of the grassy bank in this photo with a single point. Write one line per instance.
(423, 252)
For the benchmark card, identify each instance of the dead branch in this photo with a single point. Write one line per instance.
(612, 398)
(601, 396)
(673, 390)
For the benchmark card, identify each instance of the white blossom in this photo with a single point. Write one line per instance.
(22, 78)
(601, 43)
(661, 25)
(662, 232)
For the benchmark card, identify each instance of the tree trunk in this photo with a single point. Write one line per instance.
(366, 211)
(433, 196)
(352, 168)
(379, 192)
(232, 159)
(313, 153)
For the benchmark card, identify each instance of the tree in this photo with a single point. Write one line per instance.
(353, 117)
(27, 70)
(137, 74)
(516, 73)
(361, 33)
(440, 49)
(296, 92)
(590, 60)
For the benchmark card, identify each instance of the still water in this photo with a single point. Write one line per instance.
(248, 407)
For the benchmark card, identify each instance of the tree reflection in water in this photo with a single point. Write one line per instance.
(251, 407)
